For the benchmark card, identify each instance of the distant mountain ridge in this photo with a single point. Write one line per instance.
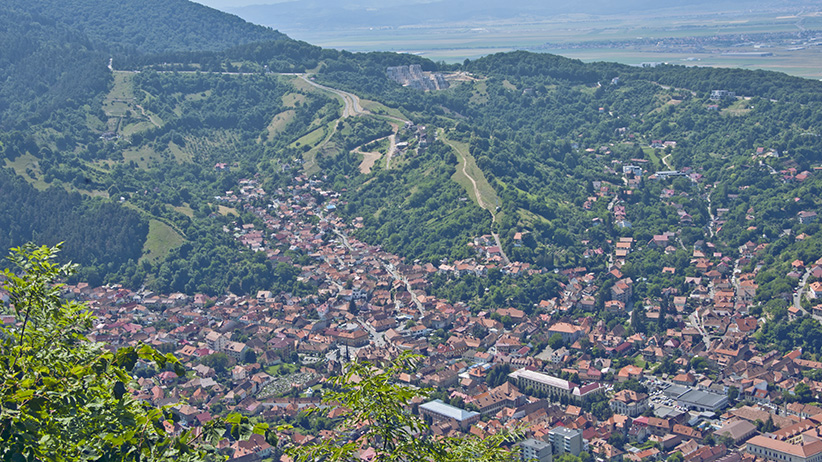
(147, 26)
(53, 54)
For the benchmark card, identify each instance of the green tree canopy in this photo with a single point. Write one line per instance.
(373, 396)
(63, 397)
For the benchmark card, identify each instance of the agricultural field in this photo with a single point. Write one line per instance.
(769, 40)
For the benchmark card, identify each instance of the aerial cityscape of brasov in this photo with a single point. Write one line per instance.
(307, 231)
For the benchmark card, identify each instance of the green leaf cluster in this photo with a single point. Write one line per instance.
(376, 402)
(63, 397)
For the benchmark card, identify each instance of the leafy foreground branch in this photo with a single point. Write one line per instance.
(65, 398)
(378, 419)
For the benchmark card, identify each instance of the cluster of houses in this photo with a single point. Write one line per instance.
(266, 354)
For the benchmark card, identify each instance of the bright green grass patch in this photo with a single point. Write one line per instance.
(123, 86)
(310, 139)
(279, 122)
(199, 96)
(325, 148)
(651, 153)
(291, 99)
(161, 239)
(27, 162)
(530, 219)
(138, 127)
(489, 197)
(480, 94)
(281, 369)
(185, 210)
(116, 108)
(739, 108)
(226, 211)
(381, 109)
(180, 155)
(142, 156)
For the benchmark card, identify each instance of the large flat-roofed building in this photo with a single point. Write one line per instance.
(438, 411)
(554, 385)
(696, 400)
(699, 400)
(542, 382)
(766, 448)
(532, 450)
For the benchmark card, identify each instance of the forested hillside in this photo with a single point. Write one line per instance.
(147, 26)
(550, 136)
(99, 235)
(61, 110)
(46, 69)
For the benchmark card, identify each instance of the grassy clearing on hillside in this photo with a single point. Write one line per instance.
(218, 146)
(199, 96)
(310, 166)
(490, 200)
(310, 139)
(320, 146)
(142, 156)
(279, 122)
(480, 95)
(116, 108)
(739, 108)
(123, 86)
(161, 239)
(180, 155)
(28, 162)
(381, 109)
(185, 210)
(124, 114)
(530, 219)
(133, 128)
(227, 211)
(651, 153)
(88, 192)
(302, 85)
(292, 99)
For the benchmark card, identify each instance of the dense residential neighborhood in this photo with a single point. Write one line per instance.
(698, 387)
(228, 244)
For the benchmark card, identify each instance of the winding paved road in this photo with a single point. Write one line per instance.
(352, 101)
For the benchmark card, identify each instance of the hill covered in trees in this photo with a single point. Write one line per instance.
(549, 135)
(146, 26)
